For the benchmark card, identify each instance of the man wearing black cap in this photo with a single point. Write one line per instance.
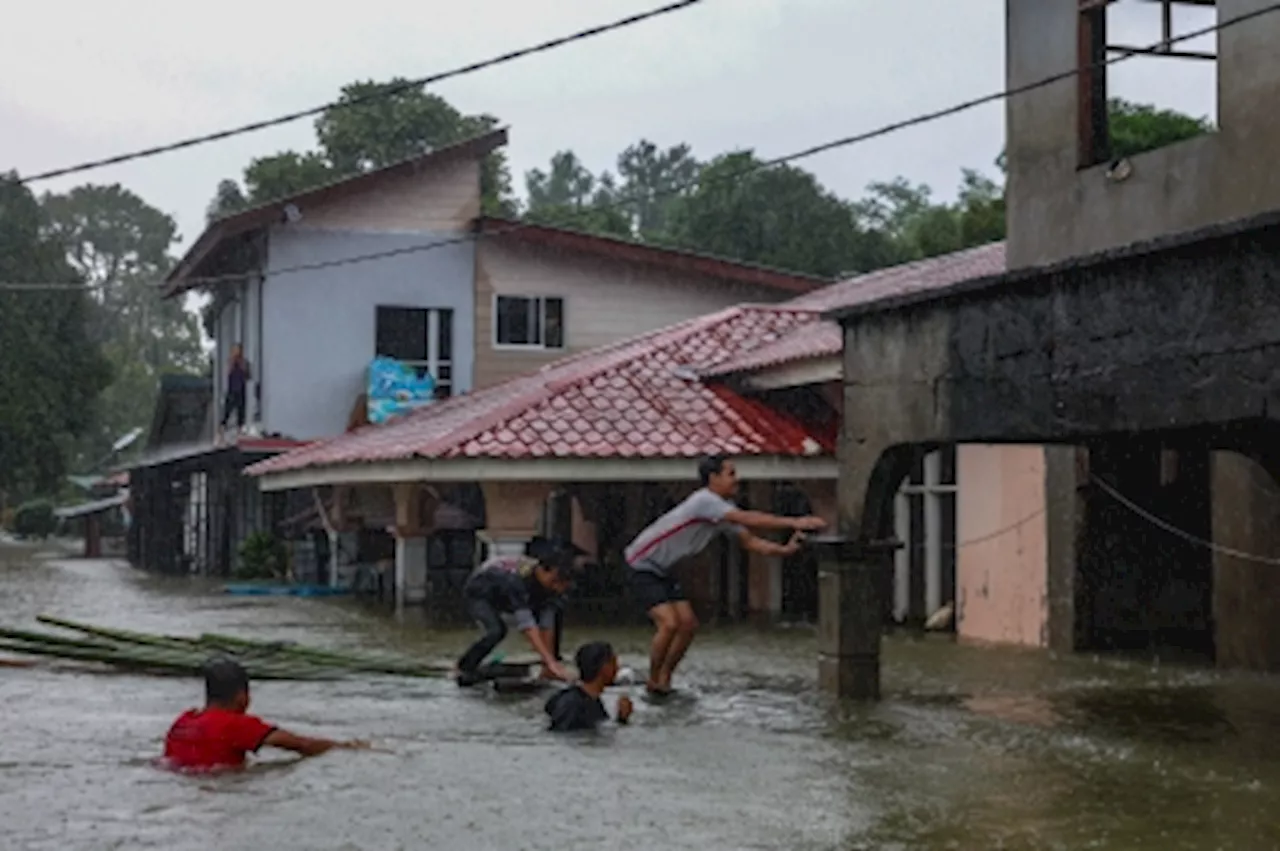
(519, 586)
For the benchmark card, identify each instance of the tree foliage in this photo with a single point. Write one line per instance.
(655, 183)
(52, 371)
(1137, 128)
(375, 125)
(570, 196)
(780, 217)
(118, 243)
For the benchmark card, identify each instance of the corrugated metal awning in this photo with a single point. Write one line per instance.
(86, 508)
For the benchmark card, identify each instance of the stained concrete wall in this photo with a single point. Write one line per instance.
(1246, 602)
(1057, 211)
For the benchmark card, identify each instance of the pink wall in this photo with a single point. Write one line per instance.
(1001, 573)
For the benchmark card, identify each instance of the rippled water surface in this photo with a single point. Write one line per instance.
(971, 749)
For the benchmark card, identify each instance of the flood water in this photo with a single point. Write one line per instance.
(971, 749)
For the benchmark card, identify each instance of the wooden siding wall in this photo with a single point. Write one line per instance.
(437, 199)
(604, 300)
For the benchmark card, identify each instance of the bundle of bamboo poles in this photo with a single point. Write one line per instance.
(181, 655)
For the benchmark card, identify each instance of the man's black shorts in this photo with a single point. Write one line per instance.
(652, 589)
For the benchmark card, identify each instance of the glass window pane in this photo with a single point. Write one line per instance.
(554, 335)
(401, 333)
(513, 321)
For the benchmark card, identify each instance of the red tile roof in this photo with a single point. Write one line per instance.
(822, 338)
(682, 260)
(638, 398)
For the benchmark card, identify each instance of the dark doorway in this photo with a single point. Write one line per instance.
(1140, 587)
(799, 572)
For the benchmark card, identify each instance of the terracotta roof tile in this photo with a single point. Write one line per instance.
(821, 338)
(636, 398)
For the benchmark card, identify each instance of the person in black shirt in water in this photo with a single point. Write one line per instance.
(530, 587)
(579, 707)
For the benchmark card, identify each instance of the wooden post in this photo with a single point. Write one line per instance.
(92, 536)
(850, 614)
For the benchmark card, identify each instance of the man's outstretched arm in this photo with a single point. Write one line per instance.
(308, 745)
(768, 548)
(764, 520)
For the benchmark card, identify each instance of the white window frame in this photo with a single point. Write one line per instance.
(433, 361)
(541, 302)
(931, 491)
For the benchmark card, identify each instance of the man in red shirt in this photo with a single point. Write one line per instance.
(220, 735)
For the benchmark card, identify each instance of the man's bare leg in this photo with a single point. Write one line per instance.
(666, 622)
(686, 626)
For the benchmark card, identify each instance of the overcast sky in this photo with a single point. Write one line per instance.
(80, 79)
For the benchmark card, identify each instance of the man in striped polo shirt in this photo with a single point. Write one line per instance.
(683, 532)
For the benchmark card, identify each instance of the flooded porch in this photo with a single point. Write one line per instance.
(970, 749)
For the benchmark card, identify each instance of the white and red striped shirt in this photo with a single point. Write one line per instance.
(684, 531)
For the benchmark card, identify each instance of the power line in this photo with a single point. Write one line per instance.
(846, 141)
(1161, 523)
(580, 35)
(1001, 532)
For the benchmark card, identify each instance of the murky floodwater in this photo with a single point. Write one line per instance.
(972, 749)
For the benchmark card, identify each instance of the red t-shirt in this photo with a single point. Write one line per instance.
(214, 738)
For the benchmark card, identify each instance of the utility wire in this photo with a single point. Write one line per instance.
(885, 130)
(287, 118)
(1001, 532)
(1161, 523)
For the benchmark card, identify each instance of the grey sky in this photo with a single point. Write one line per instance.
(93, 79)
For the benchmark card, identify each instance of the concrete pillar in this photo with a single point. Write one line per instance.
(1066, 470)
(1246, 591)
(411, 570)
(851, 579)
(513, 509)
(411, 545)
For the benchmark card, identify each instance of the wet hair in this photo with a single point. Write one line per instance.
(556, 554)
(591, 659)
(224, 679)
(709, 466)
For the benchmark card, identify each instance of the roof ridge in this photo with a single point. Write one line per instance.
(635, 242)
(373, 172)
(857, 282)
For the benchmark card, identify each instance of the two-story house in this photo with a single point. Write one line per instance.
(1111, 391)
(399, 263)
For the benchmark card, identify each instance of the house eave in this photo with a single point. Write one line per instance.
(799, 373)
(765, 468)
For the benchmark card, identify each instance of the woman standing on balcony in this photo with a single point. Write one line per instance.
(238, 375)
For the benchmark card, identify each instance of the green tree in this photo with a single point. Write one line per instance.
(1137, 128)
(779, 217)
(655, 183)
(284, 174)
(919, 228)
(51, 372)
(568, 195)
(120, 244)
(379, 124)
(981, 209)
(568, 183)
(228, 198)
